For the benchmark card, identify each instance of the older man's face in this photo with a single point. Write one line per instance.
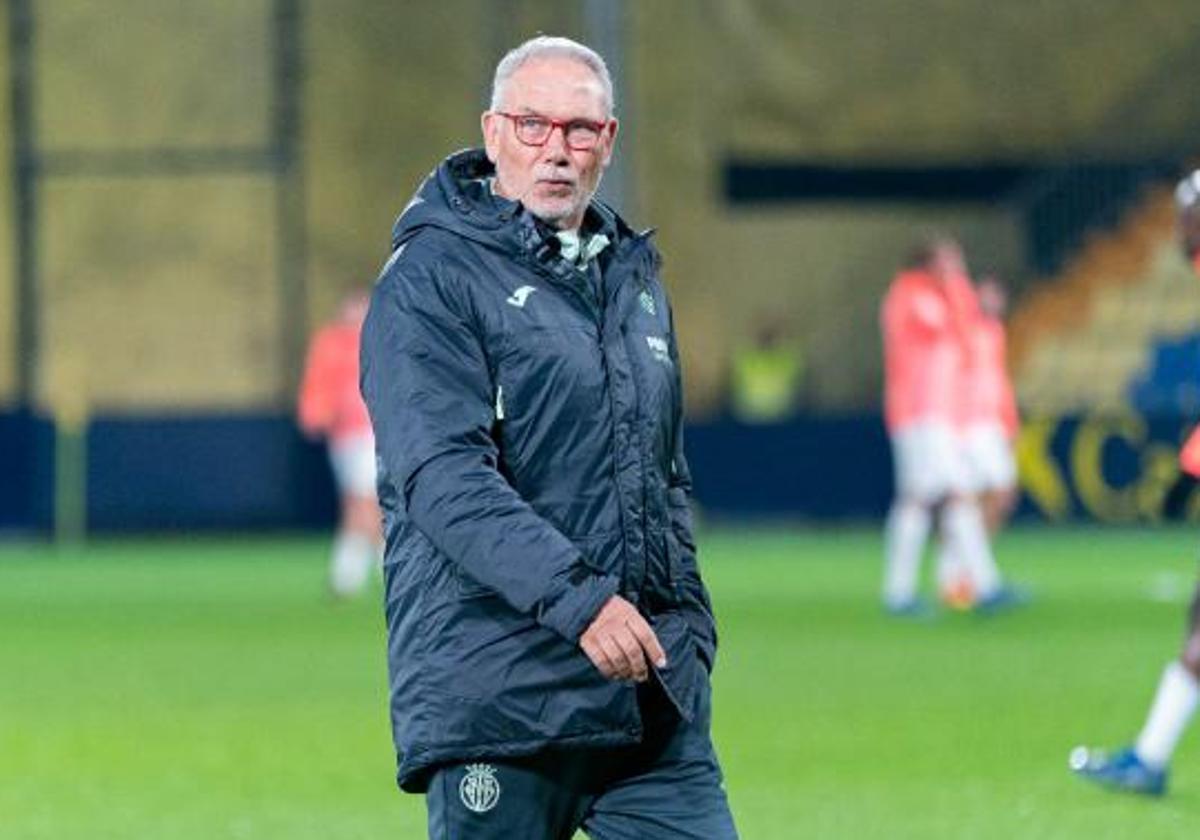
(554, 181)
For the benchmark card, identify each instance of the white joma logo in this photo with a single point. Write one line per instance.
(519, 297)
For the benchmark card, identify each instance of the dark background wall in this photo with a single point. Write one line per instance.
(232, 472)
(169, 304)
(188, 265)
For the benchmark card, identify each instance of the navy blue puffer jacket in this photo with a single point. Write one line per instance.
(528, 427)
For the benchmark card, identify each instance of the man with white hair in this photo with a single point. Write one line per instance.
(550, 638)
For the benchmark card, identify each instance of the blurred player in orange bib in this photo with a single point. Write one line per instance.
(331, 407)
(987, 427)
(1143, 766)
(926, 318)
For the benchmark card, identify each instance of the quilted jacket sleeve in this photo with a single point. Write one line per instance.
(427, 386)
(679, 491)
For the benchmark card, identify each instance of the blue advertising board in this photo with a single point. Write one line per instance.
(255, 471)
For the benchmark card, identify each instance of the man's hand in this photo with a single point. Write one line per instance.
(618, 641)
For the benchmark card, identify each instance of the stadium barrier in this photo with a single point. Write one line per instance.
(26, 444)
(1113, 468)
(219, 472)
(255, 471)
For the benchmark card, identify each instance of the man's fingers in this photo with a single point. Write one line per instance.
(598, 656)
(622, 667)
(649, 642)
(633, 654)
(621, 644)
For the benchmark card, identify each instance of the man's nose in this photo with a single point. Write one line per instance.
(556, 144)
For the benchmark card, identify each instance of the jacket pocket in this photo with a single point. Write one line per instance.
(675, 571)
(681, 677)
(692, 605)
(474, 642)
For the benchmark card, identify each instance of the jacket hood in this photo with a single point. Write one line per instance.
(456, 198)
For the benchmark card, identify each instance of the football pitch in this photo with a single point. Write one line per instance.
(202, 689)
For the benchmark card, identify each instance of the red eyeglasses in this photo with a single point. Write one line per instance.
(535, 130)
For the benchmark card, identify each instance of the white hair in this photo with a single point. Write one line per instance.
(550, 46)
(1187, 193)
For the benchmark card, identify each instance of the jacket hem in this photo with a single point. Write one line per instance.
(417, 769)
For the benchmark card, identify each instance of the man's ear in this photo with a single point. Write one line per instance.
(610, 141)
(489, 124)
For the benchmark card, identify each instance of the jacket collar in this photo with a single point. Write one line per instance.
(456, 197)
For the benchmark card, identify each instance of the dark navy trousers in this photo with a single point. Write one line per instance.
(667, 786)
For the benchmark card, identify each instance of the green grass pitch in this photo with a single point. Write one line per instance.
(206, 689)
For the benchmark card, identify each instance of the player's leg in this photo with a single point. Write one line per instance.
(367, 518)
(999, 484)
(998, 505)
(353, 551)
(356, 544)
(966, 534)
(1191, 648)
(907, 530)
(956, 584)
(1142, 768)
(1175, 700)
(537, 797)
(908, 522)
(966, 537)
(670, 787)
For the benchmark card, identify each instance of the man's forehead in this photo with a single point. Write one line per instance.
(555, 84)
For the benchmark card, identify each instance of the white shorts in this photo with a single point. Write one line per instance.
(929, 462)
(353, 461)
(990, 462)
